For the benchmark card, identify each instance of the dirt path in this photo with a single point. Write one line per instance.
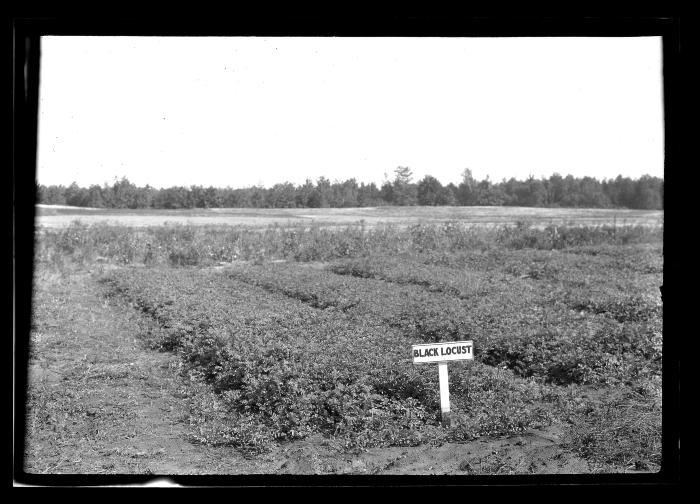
(99, 402)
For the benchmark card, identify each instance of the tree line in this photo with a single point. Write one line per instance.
(645, 192)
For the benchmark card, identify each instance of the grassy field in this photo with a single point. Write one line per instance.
(57, 216)
(286, 349)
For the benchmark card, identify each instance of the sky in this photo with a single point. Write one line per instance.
(243, 111)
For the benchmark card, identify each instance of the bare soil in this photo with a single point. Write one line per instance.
(55, 216)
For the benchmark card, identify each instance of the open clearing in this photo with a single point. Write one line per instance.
(61, 216)
(188, 350)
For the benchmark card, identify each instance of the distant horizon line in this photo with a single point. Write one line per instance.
(346, 209)
(336, 180)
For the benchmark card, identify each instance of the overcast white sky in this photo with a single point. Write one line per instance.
(252, 110)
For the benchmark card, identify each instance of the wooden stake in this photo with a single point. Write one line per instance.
(444, 394)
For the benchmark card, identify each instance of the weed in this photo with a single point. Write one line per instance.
(622, 431)
(189, 245)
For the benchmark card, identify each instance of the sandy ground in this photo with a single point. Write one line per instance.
(56, 217)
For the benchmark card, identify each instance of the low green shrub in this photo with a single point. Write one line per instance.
(532, 333)
(280, 369)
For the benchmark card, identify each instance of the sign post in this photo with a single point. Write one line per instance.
(444, 393)
(442, 353)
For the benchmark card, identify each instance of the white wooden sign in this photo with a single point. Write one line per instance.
(442, 353)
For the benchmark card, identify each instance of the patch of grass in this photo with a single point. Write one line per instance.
(622, 430)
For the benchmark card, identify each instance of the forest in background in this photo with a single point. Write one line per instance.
(645, 193)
